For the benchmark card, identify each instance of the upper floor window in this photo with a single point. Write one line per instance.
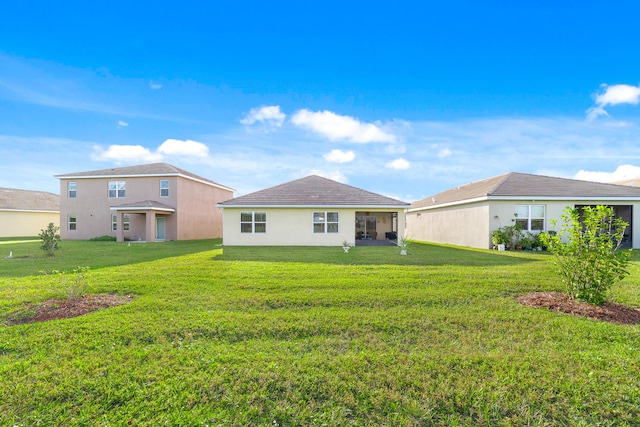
(530, 217)
(116, 189)
(253, 222)
(325, 222)
(125, 222)
(72, 222)
(164, 188)
(71, 189)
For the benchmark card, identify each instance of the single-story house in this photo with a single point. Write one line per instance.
(312, 211)
(466, 215)
(27, 212)
(152, 202)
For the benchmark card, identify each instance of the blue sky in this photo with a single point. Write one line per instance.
(405, 99)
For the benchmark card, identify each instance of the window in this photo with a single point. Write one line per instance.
(116, 189)
(253, 222)
(71, 187)
(164, 188)
(530, 217)
(125, 222)
(71, 221)
(325, 222)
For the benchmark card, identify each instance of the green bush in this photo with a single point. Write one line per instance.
(50, 238)
(104, 238)
(587, 252)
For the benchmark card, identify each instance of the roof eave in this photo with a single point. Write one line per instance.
(146, 175)
(314, 206)
(527, 198)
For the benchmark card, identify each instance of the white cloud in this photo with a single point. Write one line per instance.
(398, 164)
(622, 172)
(125, 154)
(122, 123)
(155, 86)
(445, 152)
(176, 147)
(339, 156)
(139, 154)
(613, 95)
(268, 115)
(337, 127)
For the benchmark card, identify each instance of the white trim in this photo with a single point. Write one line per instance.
(154, 175)
(529, 199)
(26, 210)
(142, 208)
(319, 207)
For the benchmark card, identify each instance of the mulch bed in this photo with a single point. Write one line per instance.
(58, 308)
(561, 303)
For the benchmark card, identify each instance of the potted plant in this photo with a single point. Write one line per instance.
(500, 239)
(345, 246)
(404, 245)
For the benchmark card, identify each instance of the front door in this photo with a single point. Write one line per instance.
(160, 228)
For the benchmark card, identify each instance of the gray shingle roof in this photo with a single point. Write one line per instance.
(154, 169)
(314, 190)
(524, 185)
(143, 205)
(28, 200)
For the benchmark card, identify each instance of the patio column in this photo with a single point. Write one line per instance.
(119, 226)
(151, 227)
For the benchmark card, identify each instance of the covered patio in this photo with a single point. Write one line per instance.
(151, 228)
(376, 228)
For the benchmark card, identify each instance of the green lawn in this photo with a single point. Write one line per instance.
(311, 337)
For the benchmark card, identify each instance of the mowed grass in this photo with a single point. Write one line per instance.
(312, 337)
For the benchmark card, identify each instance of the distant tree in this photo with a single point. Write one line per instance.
(587, 252)
(50, 238)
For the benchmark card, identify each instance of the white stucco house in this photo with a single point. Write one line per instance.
(312, 211)
(466, 215)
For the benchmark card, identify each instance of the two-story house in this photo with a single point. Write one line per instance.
(152, 202)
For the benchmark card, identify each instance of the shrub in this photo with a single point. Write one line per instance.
(104, 238)
(50, 238)
(70, 286)
(587, 252)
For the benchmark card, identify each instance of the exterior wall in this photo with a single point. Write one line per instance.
(465, 225)
(472, 224)
(25, 223)
(294, 227)
(196, 215)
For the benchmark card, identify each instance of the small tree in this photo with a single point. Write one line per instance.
(587, 252)
(50, 238)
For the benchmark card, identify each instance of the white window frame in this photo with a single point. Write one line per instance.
(72, 222)
(528, 218)
(257, 221)
(72, 187)
(164, 188)
(125, 222)
(322, 225)
(117, 189)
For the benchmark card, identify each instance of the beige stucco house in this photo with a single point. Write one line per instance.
(152, 202)
(26, 212)
(466, 215)
(312, 211)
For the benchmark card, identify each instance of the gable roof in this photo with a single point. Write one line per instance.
(28, 200)
(515, 185)
(151, 169)
(313, 191)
